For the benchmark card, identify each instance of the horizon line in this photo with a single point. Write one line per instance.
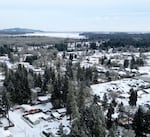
(77, 31)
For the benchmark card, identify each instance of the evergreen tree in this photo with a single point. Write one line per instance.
(17, 85)
(109, 63)
(133, 64)
(140, 61)
(113, 131)
(114, 103)
(69, 71)
(76, 129)
(133, 97)
(94, 121)
(105, 101)
(95, 76)
(65, 87)
(72, 107)
(109, 116)
(37, 80)
(71, 57)
(96, 99)
(121, 107)
(126, 63)
(11, 57)
(107, 74)
(81, 96)
(90, 124)
(5, 104)
(138, 123)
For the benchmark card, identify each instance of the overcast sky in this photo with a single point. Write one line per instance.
(76, 15)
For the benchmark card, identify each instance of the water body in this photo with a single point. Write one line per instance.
(58, 35)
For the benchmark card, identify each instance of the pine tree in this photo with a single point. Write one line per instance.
(138, 123)
(17, 85)
(114, 103)
(65, 87)
(90, 124)
(113, 131)
(109, 116)
(126, 63)
(72, 107)
(105, 101)
(75, 129)
(69, 71)
(38, 80)
(94, 121)
(95, 76)
(133, 97)
(78, 72)
(5, 102)
(133, 64)
(81, 96)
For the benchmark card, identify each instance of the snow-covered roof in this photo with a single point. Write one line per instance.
(37, 117)
(44, 107)
(62, 110)
(43, 98)
(36, 90)
(21, 126)
(4, 58)
(56, 114)
(27, 107)
(122, 73)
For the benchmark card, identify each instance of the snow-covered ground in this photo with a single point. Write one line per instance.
(120, 90)
(23, 128)
(2, 77)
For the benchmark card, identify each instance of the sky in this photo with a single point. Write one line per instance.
(76, 15)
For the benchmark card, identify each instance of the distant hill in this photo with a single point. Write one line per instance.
(15, 31)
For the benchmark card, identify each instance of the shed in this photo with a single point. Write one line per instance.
(44, 99)
(56, 115)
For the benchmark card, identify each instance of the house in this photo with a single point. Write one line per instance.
(61, 111)
(32, 119)
(38, 71)
(35, 118)
(28, 109)
(55, 115)
(43, 99)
